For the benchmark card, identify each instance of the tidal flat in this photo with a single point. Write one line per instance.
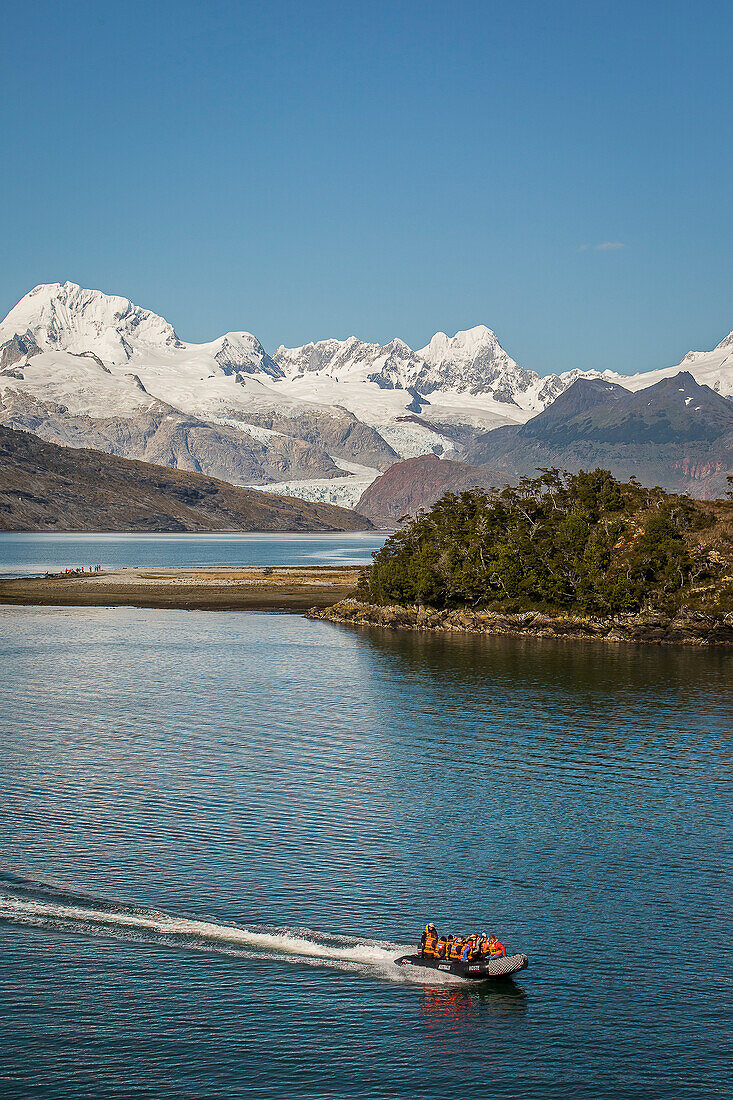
(254, 588)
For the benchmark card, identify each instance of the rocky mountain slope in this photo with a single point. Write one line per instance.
(417, 483)
(160, 433)
(44, 487)
(83, 368)
(676, 433)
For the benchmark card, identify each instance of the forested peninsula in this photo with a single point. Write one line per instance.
(560, 554)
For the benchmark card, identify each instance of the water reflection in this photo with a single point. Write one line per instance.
(467, 659)
(453, 1018)
(454, 1007)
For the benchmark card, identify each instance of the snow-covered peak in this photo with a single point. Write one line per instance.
(320, 356)
(465, 344)
(100, 355)
(398, 347)
(392, 366)
(469, 362)
(240, 353)
(66, 317)
(473, 361)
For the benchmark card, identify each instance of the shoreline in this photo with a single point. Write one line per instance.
(644, 628)
(291, 589)
(323, 592)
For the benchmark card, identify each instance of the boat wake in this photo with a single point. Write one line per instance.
(41, 905)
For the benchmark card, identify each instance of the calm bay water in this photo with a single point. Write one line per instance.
(26, 554)
(217, 830)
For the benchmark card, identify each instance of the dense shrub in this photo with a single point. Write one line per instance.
(583, 542)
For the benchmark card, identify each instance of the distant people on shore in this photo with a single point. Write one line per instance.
(79, 569)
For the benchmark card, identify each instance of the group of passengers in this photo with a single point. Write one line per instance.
(459, 948)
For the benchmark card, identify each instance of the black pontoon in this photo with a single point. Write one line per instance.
(477, 970)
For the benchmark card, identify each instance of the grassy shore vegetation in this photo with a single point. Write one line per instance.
(560, 542)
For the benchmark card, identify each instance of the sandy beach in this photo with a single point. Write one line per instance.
(253, 588)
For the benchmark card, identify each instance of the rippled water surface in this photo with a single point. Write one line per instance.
(217, 830)
(24, 554)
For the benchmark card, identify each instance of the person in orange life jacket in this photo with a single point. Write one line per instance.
(456, 949)
(428, 940)
(496, 948)
(484, 944)
(441, 947)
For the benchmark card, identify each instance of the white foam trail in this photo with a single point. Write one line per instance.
(163, 924)
(376, 956)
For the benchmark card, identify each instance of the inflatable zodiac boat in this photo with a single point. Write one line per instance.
(477, 970)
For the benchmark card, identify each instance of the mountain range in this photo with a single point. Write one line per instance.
(86, 369)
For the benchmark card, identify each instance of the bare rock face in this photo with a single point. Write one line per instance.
(417, 483)
(167, 437)
(17, 349)
(339, 432)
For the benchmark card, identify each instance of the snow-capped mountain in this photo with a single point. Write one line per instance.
(86, 368)
(469, 371)
(68, 318)
(65, 317)
(390, 366)
(471, 362)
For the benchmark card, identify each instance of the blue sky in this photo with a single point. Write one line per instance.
(304, 170)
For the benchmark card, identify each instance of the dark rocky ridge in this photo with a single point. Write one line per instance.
(18, 348)
(676, 434)
(44, 487)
